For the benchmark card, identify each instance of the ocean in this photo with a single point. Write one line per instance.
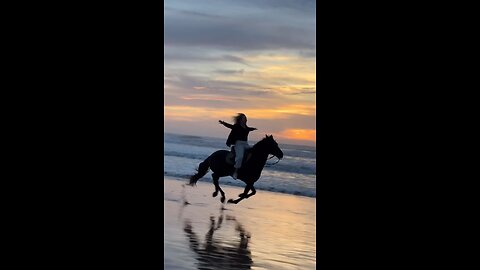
(295, 174)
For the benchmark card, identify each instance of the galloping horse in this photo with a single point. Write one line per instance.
(249, 172)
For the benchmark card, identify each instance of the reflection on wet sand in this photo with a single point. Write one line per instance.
(218, 254)
(282, 229)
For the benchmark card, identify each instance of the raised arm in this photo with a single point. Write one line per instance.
(225, 124)
(251, 129)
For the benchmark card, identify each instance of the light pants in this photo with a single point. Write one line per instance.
(240, 147)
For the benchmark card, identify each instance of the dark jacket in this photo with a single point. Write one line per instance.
(238, 133)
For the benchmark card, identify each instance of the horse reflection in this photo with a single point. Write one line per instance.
(217, 255)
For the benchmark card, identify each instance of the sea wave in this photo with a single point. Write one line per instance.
(216, 143)
(293, 190)
(287, 164)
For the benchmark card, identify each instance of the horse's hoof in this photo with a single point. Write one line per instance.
(222, 199)
(215, 194)
(230, 201)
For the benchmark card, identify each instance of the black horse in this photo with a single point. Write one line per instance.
(250, 172)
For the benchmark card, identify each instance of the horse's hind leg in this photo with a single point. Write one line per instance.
(217, 188)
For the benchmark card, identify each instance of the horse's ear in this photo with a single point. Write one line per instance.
(266, 136)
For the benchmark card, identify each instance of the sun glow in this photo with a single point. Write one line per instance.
(299, 134)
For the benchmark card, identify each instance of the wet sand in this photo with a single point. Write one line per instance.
(267, 231)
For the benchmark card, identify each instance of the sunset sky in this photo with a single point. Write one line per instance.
(258, 57)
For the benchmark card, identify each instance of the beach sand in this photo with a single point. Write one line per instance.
(266, 231)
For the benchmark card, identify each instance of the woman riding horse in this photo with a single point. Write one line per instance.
(249, 173)
(238, 137)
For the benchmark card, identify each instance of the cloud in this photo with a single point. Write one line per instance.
(252, 56)
(184, 84)
(257, 30)
(193, 13)
(230, 71)
(305, 91)
(303, 8)
(300, 7)
(235, 59)
(297, 113)
(235, 37)
(172, 55)
(308, 54)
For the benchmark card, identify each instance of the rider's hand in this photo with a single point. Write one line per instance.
(220, 121)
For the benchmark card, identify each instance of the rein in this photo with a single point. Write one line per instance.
(271, 164)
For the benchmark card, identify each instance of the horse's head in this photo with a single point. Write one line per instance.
(272, 146)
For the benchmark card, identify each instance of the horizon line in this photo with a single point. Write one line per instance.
(213, 137)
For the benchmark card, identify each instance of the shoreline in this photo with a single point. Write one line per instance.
(267, 231)
(241, 185)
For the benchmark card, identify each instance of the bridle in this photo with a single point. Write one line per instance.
(271, 164)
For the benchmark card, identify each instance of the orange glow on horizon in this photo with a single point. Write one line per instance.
(299, 134)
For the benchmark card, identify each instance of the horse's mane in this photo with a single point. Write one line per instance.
(262, 142)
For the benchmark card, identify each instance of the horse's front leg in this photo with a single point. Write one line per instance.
(235, 201)
(253, 192)
(218, 188)
(245, 194)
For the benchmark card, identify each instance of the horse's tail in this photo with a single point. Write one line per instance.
(202, 170)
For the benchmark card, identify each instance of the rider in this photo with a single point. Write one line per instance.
(238, 138)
